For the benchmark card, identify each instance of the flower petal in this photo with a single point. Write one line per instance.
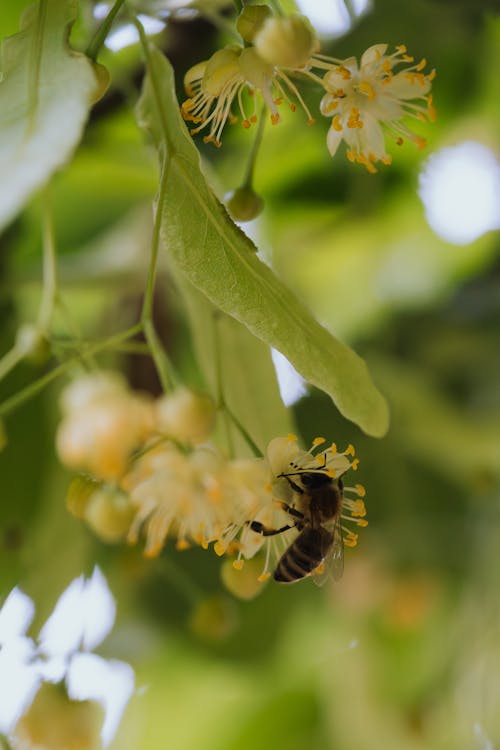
(333, 140)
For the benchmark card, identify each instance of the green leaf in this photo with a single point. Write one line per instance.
(46, 91)
(218, 258)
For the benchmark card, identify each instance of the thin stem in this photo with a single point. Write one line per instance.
(164, 367)
(9, 360)
(100, 36)
(38, 385)
(49, 293)
(244, 434)
(248, 178)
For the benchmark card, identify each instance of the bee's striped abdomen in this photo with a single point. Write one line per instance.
(304, 555)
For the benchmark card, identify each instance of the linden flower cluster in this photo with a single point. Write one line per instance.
(359, 99)
(152, 469)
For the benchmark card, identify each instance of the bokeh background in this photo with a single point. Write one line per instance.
(403, 652)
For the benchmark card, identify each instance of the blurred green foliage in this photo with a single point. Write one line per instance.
(404, 652)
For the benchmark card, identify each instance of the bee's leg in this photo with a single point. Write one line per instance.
(266, 531)
(295, 487)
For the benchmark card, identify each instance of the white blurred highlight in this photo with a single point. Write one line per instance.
(82, 617)
(128, 34)
(460, 189)
(291, 384)
(331, 17)
(16, 615)
(111, 683)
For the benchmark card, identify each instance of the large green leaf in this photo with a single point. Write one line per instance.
(46, 91)
(220, 260)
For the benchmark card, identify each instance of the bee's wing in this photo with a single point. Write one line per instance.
(333, 562)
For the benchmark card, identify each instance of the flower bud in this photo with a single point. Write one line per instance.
(55, 722)
(81, 488)
(244, 583)
(251, 19)
(286, 42)
(109, 514)
(185, 416)
(243, 204)
(214, 619)
(220, 69)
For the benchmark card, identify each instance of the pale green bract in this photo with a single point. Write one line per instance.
(218, 259)
(46, 91)
(249, 381)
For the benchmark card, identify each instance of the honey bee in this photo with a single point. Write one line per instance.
(318, 550)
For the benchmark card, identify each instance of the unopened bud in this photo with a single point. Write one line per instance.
(109, 514)
(185, 416)
(251, 19)
(214, 619)
(243, 204)
(81, 488)
(243, 583)
(286, 42)
(220, 69)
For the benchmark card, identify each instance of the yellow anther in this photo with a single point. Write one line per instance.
(275, 118)
(311, 121)
(365, 88)
(422, 64)
(293, 106)
(350, 451)
(344, 72)
(219, 548)
(318, 441)
(182, 544)
(362, 522)
(408, 58)
(246, 124)
(333, 449)
(401, 48)
(351, 155)
(360, 490)
(238, 564)
(263, 577)
(320, 569)
(355, 463)
(291, 438)
(336, 124)
(431, 110)
(331, 473)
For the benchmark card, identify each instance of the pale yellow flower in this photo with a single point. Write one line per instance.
(367, 100)
(103, 423)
